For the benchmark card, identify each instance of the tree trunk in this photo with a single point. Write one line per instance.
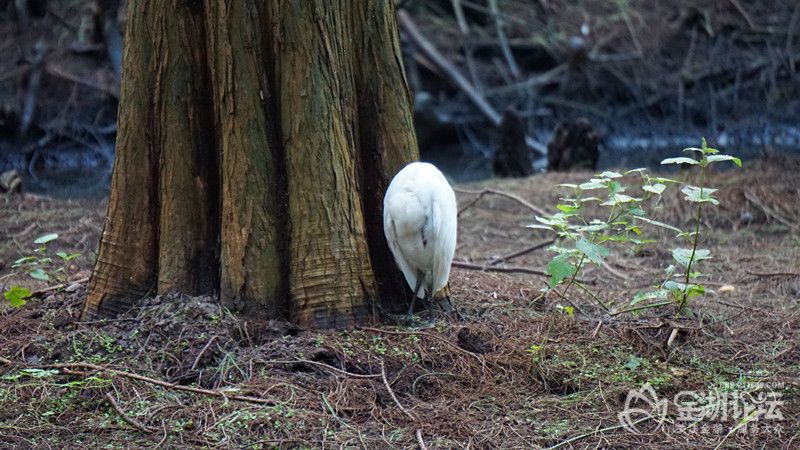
(256, 140)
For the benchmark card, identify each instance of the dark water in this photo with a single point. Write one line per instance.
(85, 172)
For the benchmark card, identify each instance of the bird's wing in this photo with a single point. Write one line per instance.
(444, 213)
(390, 230)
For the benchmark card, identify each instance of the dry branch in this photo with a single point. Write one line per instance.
(129, 420)
(504, 269)
(522, 252)
(137, 377)
(537, 210)
(455, 77)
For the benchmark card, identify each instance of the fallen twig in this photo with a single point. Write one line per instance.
(452, 73)
(524, 251)
(744, 14)
(501, 36)
(423, 333)
(504, 269)
(129, 420)
(592, 433)
(56, 287)
(61, 73)
(200, 355)
(137, 377)
(773, 274)
(394, 397)
(537, 210)
(323, 365)
(769, 211)
(418, 433)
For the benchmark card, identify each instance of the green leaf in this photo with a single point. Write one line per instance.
(699, 195)
(610, 174)
(660, 294)
(680, 160)
(22, 261)
(664, 180)
(588, 186)
(718, 158)
(659, 224)
(593, 228)
(657, 188)
(46, 238)
(594, 252)
(568, 185)
(16, 296)
(40, 373)
(560, 268)
(617, 199)
(568, 209)
(633, 362)
(39, 274)
(684, 255)
(556, 220)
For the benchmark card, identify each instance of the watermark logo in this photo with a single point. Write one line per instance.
(642, 405)
(734, 407)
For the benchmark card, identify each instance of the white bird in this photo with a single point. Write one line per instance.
(419, 220)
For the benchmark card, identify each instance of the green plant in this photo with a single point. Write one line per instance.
(39, 265)
(586, 240)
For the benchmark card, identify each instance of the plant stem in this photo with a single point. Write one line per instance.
(696, 236)
(575, 274)
(593, 295)
(639, 308)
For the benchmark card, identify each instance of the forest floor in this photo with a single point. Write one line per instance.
(517, 372)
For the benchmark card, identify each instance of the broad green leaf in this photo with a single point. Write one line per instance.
(718, 158)
(594, 252)
(657, 188)
(46, 238)
(683, 255)
(16, 296)
(557, 220)
(693, 149)
(680, 160)
(568, 185)
(40, 373)
(610, 174)
(636, 211)
(568, 209)
(616, 199)
(659, 224)
(67, 257)
(593, 228)
(559, 268)
(633, 362)
(593, 184)
(699, 195)
(660, 294)
(22, 261)
(39, 274)
(664, 180)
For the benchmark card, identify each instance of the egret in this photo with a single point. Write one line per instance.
(419, 220)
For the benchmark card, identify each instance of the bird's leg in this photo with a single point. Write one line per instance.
(429, 302)
(413, 299)
(455, 308)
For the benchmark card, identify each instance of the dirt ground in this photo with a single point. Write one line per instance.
(517, 372)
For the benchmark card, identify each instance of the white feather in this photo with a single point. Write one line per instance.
(419, 220)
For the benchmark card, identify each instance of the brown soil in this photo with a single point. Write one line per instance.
(516, 373)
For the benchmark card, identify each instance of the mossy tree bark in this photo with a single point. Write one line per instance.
(256, 140)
